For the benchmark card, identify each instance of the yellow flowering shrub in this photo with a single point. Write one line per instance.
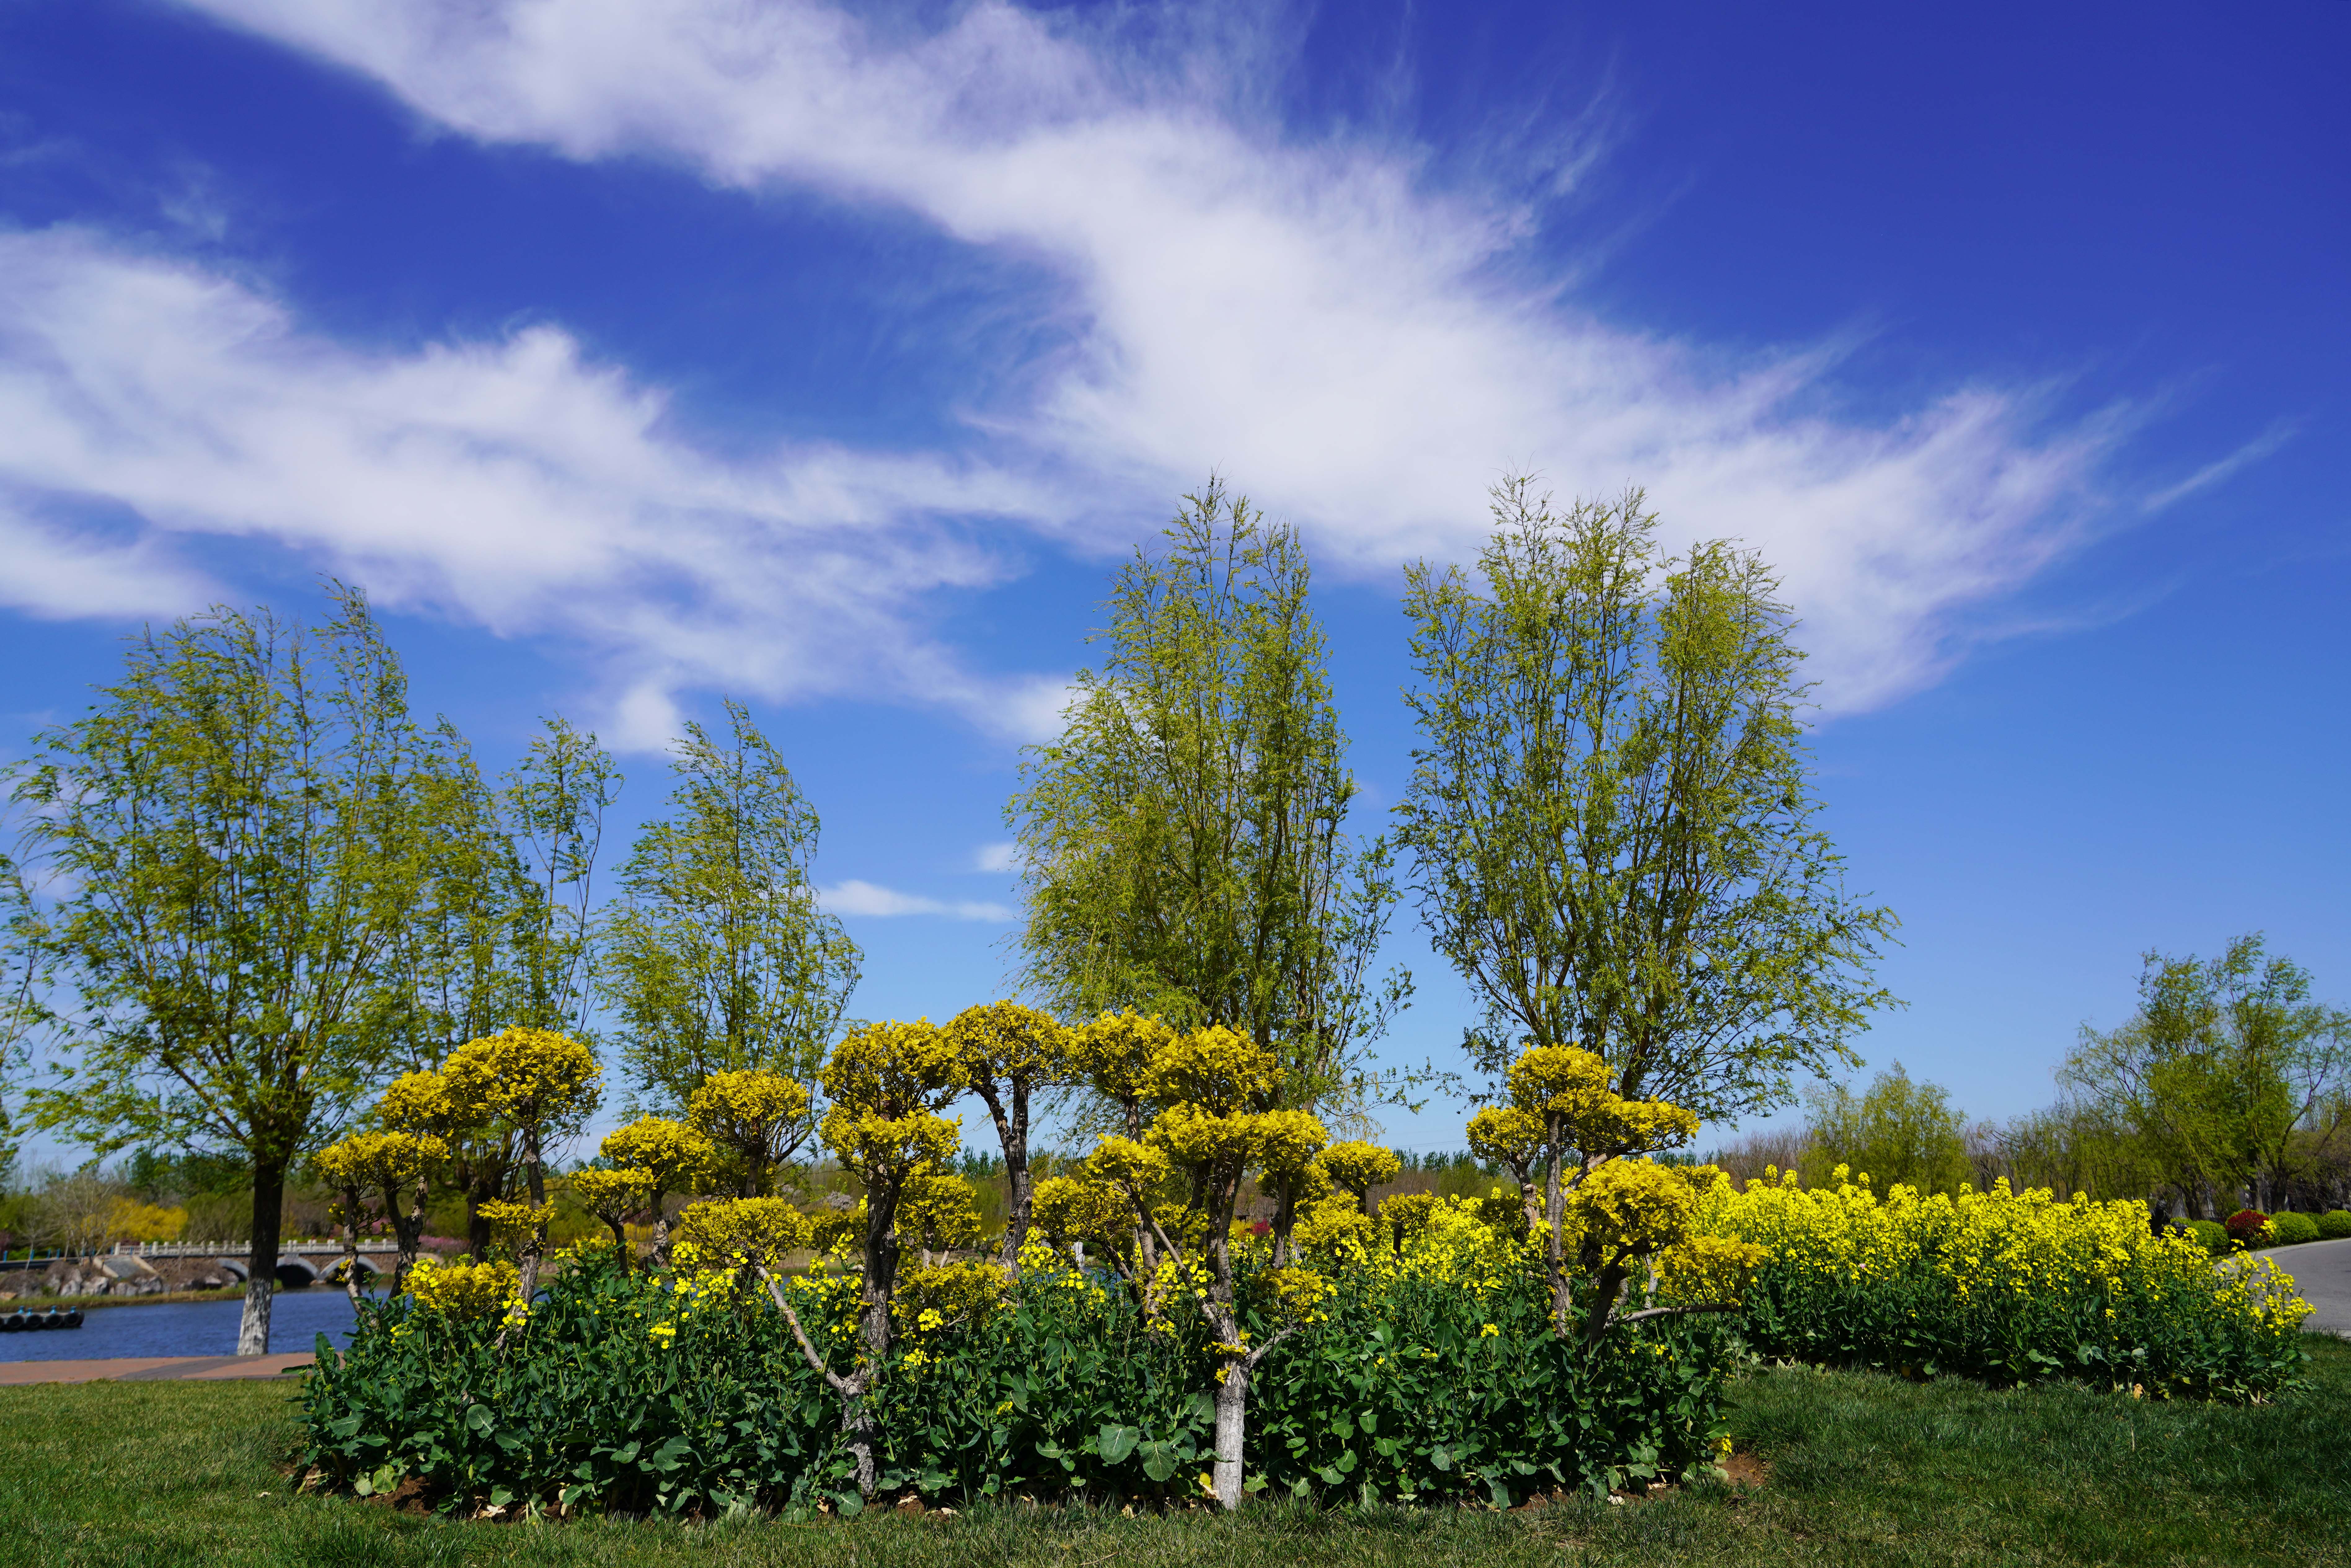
(2002, 1284)
(510, 1221)
(729, 1233)
(756, 1116)
(1095, 1214)
(673, 1155)
(1336, 1228)
(532, 1077)
(388, 1161)
(613, 1196)
(465, 1289)
(948, 1295)
(1357, 1167)
(938, 1211)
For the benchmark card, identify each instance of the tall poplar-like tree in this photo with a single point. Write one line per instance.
(718, 958)
(233, 829)
(1184, 844)
(1611, 814)
(501, 933)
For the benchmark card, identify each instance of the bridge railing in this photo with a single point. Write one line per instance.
(238, 1249)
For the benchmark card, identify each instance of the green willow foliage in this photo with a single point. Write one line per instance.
(1184, 844)
(718, 958)
(235, 830)
(1403, 1392)
(1612, 818)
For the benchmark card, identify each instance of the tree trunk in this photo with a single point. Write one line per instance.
(1232, 1427)
(405, 1233)
(1605, 1292)
(1016, 1177)
(261, 1259)
(537, 1243)
(477, 1229)
(1285, 1220)
(352, 1245)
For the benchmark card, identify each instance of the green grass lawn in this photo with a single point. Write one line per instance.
(1862, 1471)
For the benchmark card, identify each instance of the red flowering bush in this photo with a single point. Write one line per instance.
(2246, 1226)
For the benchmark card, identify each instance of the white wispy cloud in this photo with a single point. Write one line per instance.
(57, 573)
(1360, 348)
(854, 897)
(2224, 469)
(1003, 857)
(513, 483)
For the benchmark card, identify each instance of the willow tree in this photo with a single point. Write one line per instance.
(25, 964)
(1184, 841)
(234, 830)
(499, 933)
(718, 959)
(1611, 814)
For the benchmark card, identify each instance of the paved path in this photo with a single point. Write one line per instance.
(2322, 1276)
(151, 1368)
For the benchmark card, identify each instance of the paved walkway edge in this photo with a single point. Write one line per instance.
(154, 1368)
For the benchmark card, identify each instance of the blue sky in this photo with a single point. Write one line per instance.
(635, 351)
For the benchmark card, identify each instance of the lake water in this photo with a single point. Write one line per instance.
(185, 1328)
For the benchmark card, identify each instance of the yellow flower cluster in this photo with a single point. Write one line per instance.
(1989, 1245)
(1438, 1241)
(465, 1289)
(511, 1221)
(948, 1296)
(732, 1233)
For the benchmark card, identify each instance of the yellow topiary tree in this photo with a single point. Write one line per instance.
(1009, 1052)
(483, 1160)
(672, 1156)
(887, 1083)
(1620, 1210)
(396, 1165)
(540, 1083)
(611, 1195)
(1357, 1167)
(1213, 1089)
(1092, 1220)
(754, 1233)
(757, 1119)
(937, 1214)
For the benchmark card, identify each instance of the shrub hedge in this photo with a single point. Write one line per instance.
(2334, 1224)
(2293, 1229)
(2007, 1286)
(635, 1392)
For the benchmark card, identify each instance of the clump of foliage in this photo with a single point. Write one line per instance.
(2290, 1230)
(2334, 1224)
(2004, 1286)
(689, 1395)
(2247, 1226)
(1435, 1347)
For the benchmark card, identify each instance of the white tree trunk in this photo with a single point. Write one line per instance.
(1232, 1427)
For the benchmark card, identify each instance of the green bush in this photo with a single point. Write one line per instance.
(2334, 1224)
(620, 1397)
(2005, 1286)
(2212, 1234)
(2291, 1230)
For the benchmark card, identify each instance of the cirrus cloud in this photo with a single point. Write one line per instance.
(1360, 347)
